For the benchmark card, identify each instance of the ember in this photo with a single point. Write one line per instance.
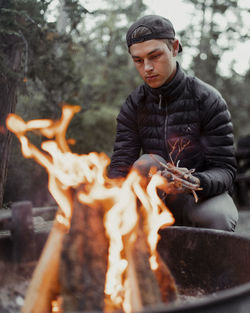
(130, 211)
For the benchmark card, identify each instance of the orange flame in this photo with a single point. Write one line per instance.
(56, 306)
(67, 170)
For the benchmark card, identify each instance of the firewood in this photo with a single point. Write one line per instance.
(144, 287)
(148, 287)
(166, 282)
(44, 286)
(84, 260)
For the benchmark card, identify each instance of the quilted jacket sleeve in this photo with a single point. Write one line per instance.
(217, 142)
(127, 144)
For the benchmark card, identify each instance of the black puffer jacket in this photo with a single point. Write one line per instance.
(185, 113)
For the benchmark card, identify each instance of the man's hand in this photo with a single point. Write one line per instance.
(180, 179)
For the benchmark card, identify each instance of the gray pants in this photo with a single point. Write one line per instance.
(218, 212)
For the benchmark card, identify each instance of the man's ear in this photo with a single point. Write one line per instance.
(175, 47)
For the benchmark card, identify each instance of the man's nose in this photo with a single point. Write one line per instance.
(148, 66)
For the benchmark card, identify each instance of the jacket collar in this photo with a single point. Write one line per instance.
(170, 91)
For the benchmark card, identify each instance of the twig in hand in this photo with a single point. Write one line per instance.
(180, 145)
(179, 178)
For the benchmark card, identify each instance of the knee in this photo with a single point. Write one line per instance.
(148, 161)
(217, 213)
(222, 221)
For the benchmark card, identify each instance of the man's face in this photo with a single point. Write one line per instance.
(154, 61)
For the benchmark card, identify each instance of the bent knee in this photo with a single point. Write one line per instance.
(221, 222)
(219, 213)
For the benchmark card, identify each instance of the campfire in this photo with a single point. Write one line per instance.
(101, 252)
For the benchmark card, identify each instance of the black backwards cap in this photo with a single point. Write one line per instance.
(158, 28)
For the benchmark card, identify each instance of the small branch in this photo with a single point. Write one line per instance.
(143, 284)
(178, 178)
(44, 285)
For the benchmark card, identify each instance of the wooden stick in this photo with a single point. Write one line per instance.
(84, 260)
(143, 284)
(135, 296)
(148, 287)
(166, 282)
(44, 285)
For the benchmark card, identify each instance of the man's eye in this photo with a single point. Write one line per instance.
(138, 61)
(155, 56)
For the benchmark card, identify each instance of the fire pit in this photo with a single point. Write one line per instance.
(211, 268)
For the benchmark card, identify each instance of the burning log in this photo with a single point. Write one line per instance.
(166, 282)
(44, 285)
(143, 285)
(84, 260)
(148, 287)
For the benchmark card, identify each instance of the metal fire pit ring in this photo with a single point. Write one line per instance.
(216, 262)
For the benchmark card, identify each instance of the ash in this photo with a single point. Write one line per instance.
(188, 295)
(14, 282)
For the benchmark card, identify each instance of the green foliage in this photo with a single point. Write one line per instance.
(26, 180)
(93, 130)
(211, 33)
(17, 18)
(236, 92)
(217, 27)
(85, 64)
(74, 11)
(107, 73)
(46, 54)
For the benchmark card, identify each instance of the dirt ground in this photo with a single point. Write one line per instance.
(14, 283)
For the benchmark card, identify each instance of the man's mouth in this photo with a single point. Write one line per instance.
(152, 77)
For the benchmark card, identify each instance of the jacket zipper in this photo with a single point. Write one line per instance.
(165, 133)
(160, 102)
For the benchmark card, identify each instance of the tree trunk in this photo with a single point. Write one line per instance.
(8, 99)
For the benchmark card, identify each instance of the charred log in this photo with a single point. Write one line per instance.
(166, 282)
(145, 290)
(84, 260)
(149, 287)
(44, 285)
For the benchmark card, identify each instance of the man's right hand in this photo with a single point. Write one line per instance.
(180, 179)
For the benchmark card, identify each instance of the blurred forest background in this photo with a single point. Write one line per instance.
(82, 59)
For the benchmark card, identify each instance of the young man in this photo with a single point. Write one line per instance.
(176, 118)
